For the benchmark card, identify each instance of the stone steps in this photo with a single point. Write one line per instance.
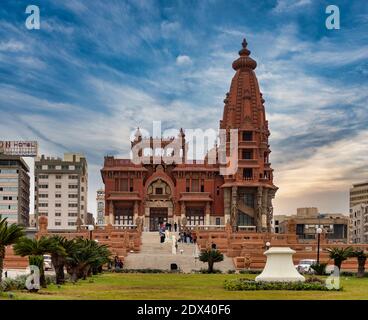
(156, 255)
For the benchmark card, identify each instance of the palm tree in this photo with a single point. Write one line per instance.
(211, 256)
(8, 236)
(57, 246)
(339, 255)
(84, 255)
(34, 249)
(362, 258)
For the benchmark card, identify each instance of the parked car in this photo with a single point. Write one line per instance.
(304, 266)
(47, 264)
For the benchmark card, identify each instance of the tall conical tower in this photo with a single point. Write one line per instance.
(249, 192)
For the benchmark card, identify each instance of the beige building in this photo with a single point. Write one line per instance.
(61, 189)
(100, 206)
(14, 189)
(359, 194)
(358, 227)
(307, 220)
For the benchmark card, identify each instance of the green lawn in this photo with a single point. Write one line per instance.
(181, 286)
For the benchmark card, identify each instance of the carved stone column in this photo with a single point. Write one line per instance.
(111, 212)
(234, 206)
(259, 210)
(135, 210)
(208, 213)
(182, 210)
(227, 205)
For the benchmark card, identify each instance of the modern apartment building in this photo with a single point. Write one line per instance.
(359, 194)
(14, 189)
(61, 189)
(100, 206)
(358, 227)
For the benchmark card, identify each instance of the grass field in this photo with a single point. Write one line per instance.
(180, 286)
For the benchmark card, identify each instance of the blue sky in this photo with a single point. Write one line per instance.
(97, 69)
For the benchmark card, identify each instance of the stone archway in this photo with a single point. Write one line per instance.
(159, 206)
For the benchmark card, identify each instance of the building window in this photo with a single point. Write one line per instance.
(73, 195)
(43, 205)
(73, 186)
(247, 136)
(218, 221)
(58, 195)
(57, 223)
(245, 220)
(58, 205)
(72, 177)
(124, 216)
(72, 214)
(247, 154)
(131, 185)
(71, 223)
(202, 185)
(58, 176)
(73, 205)
(195, 185)
(159, 191)
(58, 186)
(43, 176)
(195, 216)
(187, 185)
(248, 174)
(57, 214)
(43, 186)
(121, 185)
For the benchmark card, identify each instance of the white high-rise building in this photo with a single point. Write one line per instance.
(358, 230)
(61, 190)
(100, 206)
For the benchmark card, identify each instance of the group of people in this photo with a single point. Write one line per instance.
(117, 264)
(187, 237)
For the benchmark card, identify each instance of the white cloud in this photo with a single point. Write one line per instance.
(183, 60)
(11, 46)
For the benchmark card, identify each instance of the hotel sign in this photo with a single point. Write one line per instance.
(19, 148)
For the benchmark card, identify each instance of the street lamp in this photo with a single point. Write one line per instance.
(91, 227)
(268, 244)
(319, 231)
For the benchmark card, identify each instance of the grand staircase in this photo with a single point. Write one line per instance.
(156, 255)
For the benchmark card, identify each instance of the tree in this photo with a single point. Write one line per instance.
(211, 256)
(362, 258)
(57, 246)
(339, 255)
(84, 256)
(8, 236)
(34, 249)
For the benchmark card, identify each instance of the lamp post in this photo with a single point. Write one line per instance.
(319, 231)
(268, 244)
(90, 229)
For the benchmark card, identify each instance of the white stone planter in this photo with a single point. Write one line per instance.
(279, 266)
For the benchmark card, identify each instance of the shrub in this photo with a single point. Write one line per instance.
(250, 285)
(206, 271)
(319, 268)
(148, 270)
(250, 271)
(230, 271)
(9, 284)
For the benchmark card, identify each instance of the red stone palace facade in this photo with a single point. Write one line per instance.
(195, 193)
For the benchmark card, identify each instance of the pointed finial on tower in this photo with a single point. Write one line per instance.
(244, 51)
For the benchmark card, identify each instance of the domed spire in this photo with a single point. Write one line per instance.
(138, 135)
(244, 61)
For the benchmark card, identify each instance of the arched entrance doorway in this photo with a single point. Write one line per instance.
(158, 204)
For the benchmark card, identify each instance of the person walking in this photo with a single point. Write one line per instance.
(175, 227)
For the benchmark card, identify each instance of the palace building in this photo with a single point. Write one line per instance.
(154, 191)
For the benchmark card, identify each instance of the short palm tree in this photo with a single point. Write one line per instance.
(9, 234)
(211, 256)
(84, 255)
(57, 247)
(362, 258)
(339, 255)
(34, 249)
